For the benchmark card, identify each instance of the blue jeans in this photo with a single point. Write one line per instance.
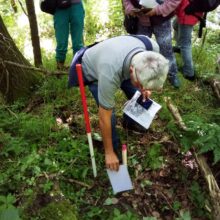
(163, 37)
(183, 35)
(129, 91)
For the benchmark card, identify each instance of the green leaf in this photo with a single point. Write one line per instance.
(3, 199)
(216, 155)
(111, 201)
(176, 205)
(184, 215)
(10, 214)
(10, 199)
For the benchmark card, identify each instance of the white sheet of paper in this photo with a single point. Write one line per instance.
(138, 113)
(148, 3)
(120, 180)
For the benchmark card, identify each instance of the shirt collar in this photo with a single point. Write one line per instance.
(127, 61)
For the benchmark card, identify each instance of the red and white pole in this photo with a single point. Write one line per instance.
(86, 117)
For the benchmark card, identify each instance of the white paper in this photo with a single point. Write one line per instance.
(148, 3)
(120, 180)
(138, 113)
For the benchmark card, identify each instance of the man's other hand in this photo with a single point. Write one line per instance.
(111, 161)
(146, 94)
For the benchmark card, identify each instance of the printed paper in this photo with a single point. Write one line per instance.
(138, 113)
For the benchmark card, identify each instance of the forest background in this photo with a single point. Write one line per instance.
(45, 170)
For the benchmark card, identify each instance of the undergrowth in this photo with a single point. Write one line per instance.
(40, 157)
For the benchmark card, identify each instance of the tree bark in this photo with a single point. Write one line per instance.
(34, 32)
(14, 82)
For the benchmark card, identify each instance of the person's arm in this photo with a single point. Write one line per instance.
(127, 6)
(111, 160)
(164, 9)
(130, 9)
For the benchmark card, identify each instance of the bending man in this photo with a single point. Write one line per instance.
(128, 62)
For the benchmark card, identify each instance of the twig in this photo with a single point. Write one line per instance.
(22, 7)
(79, 183)
(171, 207)
(56, 175)
(48, 73)
(10, 111)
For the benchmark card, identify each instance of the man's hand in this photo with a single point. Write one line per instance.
(111, 161)
(146, 94)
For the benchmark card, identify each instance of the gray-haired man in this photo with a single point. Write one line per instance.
(128, 62)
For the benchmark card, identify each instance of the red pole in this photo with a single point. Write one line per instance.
(86, 116)
(83, 97)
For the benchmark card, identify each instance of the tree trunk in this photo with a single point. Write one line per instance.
(14, 82)
(34, 32)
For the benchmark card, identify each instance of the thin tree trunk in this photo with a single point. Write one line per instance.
(34, 32)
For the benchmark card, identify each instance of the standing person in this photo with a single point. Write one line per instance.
(121, 62)
(68, 20)
(183, 27)
(161, 30)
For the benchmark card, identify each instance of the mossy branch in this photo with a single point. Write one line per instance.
(45, 71)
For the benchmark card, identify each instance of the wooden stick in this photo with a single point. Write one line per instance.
(175, 113)
(216, 87)
(214, 191)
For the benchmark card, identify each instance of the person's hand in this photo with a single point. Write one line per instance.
(135, 12)
(111, 161)
(146, 94)
(151, 13)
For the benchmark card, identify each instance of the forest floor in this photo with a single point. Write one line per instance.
(166, 179)
(167, 182)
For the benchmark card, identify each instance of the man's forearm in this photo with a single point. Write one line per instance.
(106, 129)
(111, 160)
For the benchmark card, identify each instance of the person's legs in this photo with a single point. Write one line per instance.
(163, 36)
(184, 39)
(61, 26)
(93, 88)
(145, 30)
(176, 48)
(77, 25)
